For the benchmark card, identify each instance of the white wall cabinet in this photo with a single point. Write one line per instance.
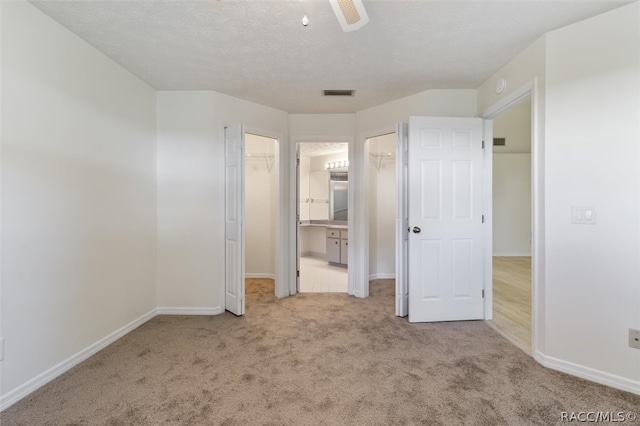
(304, 188)
(319, 195)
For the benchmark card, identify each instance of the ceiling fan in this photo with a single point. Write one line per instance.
(350, 13)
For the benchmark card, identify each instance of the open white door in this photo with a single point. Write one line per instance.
(234, 218)
(298, 216)
(402, 222)
(445, 215)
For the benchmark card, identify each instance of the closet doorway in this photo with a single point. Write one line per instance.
(261, 212)
(382, 195)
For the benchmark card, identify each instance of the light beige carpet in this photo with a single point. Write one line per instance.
(313, 359)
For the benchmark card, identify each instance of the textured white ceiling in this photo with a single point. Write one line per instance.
(259, 50)
(314, 149)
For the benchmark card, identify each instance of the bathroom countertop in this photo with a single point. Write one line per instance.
(327, 224)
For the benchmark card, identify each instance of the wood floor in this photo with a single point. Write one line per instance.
(512, 299)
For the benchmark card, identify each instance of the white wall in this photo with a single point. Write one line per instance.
(260, 206)
(328, 125)
(526, 66)
(79, 196)
(372, 182)
(382, 208)
(1, 209)
(512, 182)
(319, 162)
(511, 204)
(450, 103)
(515, 126)
(189, 210)
(592, 158)
(191, 191)
(313, 241)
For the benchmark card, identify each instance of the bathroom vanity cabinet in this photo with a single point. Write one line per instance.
(337, 246)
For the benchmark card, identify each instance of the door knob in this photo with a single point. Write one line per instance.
(416, 230)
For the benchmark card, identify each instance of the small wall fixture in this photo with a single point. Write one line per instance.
(336, 164)
(501, 84)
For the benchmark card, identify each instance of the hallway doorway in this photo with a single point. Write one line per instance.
(512, 225)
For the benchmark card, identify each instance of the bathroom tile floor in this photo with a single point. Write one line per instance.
(317, 276)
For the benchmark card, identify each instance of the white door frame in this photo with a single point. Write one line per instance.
(528, 91)
(291, 251)
(487, 208)
(402, 219)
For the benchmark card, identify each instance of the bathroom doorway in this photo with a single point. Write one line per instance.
(322, 216)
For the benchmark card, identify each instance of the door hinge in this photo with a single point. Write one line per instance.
(482, 218)
(483, 293)
(298, 275)
(482, 144)
(297, 161)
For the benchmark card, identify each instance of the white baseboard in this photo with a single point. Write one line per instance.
(507, 336)
(37, 382)
(386, 276)
(313, 254)
(190, 311)
(588, 373)
(259, 275)
(512, 254)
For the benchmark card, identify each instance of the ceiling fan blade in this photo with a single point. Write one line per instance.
(350, 13)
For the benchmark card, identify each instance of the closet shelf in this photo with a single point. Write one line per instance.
(269, 159)
(377, 158)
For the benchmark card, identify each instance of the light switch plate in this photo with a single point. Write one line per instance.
(583, 215)
(634, 338)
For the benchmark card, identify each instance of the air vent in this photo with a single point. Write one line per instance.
(349, 11)
(499, 141)
(334, 92)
